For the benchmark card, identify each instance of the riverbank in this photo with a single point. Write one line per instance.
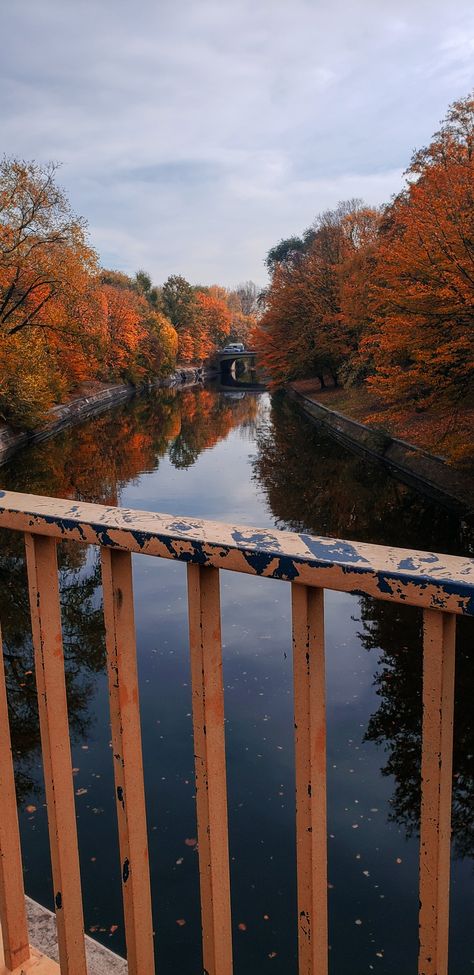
(412, 464)
(84, 406)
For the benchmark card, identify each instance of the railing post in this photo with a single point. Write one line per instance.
(12, 894)
(56, 750)
(310, 765)
(436, 789)
(209, 754)
(128, 761)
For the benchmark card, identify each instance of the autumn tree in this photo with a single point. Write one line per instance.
(45, 262)
(137, 341)
(159, 346)
(123, 311)
(359, 247)
(422, 342)
(46, 268)
(213, 320)
(385, 296)
(308, 328)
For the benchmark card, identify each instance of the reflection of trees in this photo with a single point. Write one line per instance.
(396, 725)
(93, 463)
(314, 484)
(206, 419)
(83, 647)
(101, 456)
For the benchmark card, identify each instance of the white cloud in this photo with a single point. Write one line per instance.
(193, 136)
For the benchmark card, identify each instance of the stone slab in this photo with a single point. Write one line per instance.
(42, 930)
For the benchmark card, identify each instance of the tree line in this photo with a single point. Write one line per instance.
(65, 321)
(384, 297)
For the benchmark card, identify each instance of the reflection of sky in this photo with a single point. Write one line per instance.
(372, 867)
(219, 488)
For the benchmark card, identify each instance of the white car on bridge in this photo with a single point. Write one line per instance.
(234, 347)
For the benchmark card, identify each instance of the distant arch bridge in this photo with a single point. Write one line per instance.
(223, 361)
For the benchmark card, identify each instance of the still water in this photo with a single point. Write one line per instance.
(242, 458)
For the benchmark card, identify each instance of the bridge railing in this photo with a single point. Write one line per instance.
(443, 586)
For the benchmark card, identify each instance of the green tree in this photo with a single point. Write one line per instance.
(179, 302)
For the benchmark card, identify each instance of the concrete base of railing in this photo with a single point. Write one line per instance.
(409, 463)
(81, 408)
(44, 960)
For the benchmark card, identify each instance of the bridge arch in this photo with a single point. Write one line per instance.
(224, 361)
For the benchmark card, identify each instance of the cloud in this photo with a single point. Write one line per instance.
(193, 136)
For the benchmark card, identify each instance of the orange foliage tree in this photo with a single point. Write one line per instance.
(422, 303)
(45, 262)
(46, 269)
(386, 297)
(313, 317)
(123, 311)
(213, 320)
(63, 322)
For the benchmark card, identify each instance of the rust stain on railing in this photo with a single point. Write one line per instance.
(443, 586)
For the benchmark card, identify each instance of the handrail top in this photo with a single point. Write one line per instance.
(426, 579)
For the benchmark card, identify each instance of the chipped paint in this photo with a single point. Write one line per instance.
(418, 578)
(425, 579)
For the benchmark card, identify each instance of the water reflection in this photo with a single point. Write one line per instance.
(94, 464)
(309, 489)
(84, 650)
(313, 484)
(96, 460)
(235, 456)
(396, 724)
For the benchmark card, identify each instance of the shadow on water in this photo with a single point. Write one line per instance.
(240, 457)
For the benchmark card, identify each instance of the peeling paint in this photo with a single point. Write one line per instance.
(417, 578)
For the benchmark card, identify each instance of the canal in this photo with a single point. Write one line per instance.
(246, 459)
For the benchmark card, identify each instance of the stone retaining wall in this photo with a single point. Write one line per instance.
(411, 464)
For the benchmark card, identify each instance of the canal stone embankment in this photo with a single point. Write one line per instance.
(409, 463)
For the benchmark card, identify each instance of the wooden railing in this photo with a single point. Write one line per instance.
(443, 586)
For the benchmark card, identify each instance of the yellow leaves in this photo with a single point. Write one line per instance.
(29, 380)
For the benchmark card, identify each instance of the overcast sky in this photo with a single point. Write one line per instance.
(194, 134)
